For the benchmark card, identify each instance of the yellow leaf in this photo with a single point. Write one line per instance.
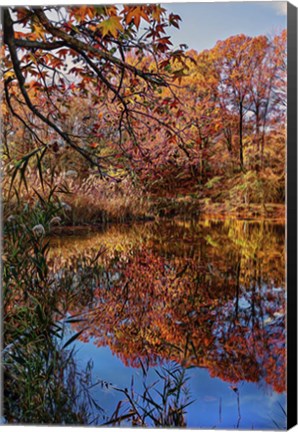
(38, 32)
(9, 74)
(111, 25)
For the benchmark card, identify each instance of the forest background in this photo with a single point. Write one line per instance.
(193, 132)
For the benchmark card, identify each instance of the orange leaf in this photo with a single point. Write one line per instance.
(157, 12)
(135, 15)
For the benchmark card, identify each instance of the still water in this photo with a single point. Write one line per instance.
(202, 302)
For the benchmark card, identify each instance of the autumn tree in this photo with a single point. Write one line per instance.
(58, 50)
(236, 66)
(227, 108)
(104, 82)
(250, 72)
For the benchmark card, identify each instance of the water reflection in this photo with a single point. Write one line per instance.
(201, 293)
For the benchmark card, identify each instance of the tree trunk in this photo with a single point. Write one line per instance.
(257, 138)
(241, 136)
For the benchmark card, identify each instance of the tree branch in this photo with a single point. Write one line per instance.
(10, 41)
(76, 44)
(47, 46)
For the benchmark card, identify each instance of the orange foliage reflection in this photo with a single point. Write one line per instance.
(217, 302)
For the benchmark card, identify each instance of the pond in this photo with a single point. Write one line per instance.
(182, 315)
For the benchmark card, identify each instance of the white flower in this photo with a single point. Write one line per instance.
(65, 206)
(11, 218)
(55, 220)
(71, 173)
(38, 230)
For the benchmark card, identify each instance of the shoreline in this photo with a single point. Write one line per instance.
(208, 214)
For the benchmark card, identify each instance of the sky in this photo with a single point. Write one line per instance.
(203, 24)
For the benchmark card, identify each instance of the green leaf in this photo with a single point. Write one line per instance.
(39, 167)
(73, 338)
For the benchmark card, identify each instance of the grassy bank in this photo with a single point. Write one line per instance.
(69, 200)
(75, 201)
(42, 383)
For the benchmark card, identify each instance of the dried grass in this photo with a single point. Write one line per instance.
(88, 200)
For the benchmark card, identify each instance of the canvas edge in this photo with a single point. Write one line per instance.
(291, 226)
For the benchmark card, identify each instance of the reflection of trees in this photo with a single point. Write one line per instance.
(217, 302)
